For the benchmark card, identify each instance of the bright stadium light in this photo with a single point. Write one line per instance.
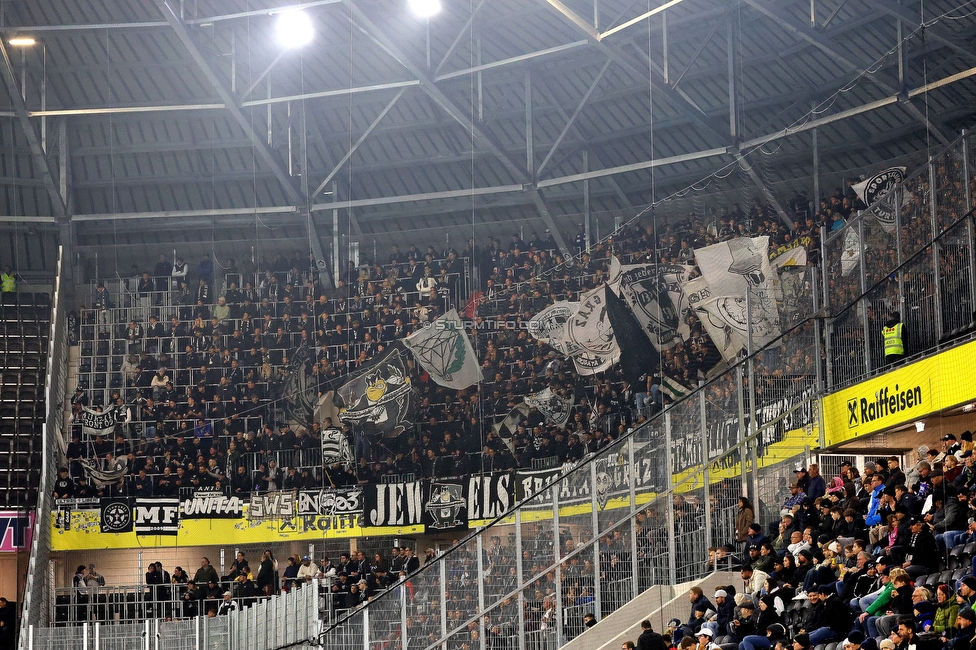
(294, 29)
(425, 8)
(22, 41)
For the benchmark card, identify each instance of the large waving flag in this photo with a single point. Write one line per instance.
(445, 352)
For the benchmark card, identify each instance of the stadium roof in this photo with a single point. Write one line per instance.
(129, 116)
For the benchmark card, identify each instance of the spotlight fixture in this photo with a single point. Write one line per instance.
(22, 41)
(425, 8)
(920, 426)
(294, 29)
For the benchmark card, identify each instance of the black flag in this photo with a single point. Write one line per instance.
(637, 356)
(379, 399)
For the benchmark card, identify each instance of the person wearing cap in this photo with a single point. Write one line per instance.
(744, 624)
(724, 611)
(673, 633)
(801, 641)
(950, 445)
(922, 554)
(965, 631)
(797, 495)
(802, 478)
(704, 637)
(227, 605)
(307, 570)
(966, 593)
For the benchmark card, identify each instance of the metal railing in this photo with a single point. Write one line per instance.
(911, 252)
(290, 618)
(36, 600)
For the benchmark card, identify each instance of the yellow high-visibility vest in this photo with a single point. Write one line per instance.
(892, 340)
(8, 283)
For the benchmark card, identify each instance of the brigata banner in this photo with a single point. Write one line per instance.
(210, 504)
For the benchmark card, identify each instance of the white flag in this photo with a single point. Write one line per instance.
(443, 349)
(727, 340)
(739, 274)
(653, 293)
(850, 255)
(590, 330)
(549, 326)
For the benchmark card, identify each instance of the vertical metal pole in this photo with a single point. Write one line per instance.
(815, 144)
(664, 46)
(596, 15)
(556, 558)
(862, 304)
(586, 200)
(443, 596)
(706, 464)
(732, 49)
(936, 276)
(632, 480)
(196, 633)
(813, 13)
(828, 326)
(818, 324)
(672, 547)
(595, 523)
(30, 637)
(481, 588)
(519, 577)
(481, 96)
(365, 611)
(148, 636)
(98, 635)
(969, 222)
(403, 594)
(743, 430)
(529, 139)
(336, 270)
(291, 171)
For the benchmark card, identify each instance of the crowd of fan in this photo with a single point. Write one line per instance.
(877, 558)
(200, 392)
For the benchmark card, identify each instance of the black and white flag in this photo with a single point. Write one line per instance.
(379, 399)
(299, 393)
(590, 330)
(102, 474)
(882, 194)
(116, 515)
(556, 409)
(335, 447)
(210, 504)
(653, 293)
(100, 423)
(446, 507)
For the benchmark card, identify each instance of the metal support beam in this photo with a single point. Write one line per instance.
(907, 16)
(770, 197)
(515, 59)
(540, 205)
(230, 102)
(457, 39)
(41, 165)
(701, 48)
(362, 138)
(813, 38)
(572, 119)
(732, 54)
(362, 22)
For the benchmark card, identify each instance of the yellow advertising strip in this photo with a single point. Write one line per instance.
(903, 395)
(84, 532)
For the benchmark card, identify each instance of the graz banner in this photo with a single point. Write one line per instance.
(210, 504)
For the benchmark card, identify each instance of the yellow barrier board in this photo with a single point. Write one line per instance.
(903, 395)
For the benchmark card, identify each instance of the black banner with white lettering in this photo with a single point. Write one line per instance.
(490, 496)
(394, 504)
(157, 516)
(99, 423)
(210, 504)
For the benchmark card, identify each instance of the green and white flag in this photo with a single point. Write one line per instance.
(444, 351)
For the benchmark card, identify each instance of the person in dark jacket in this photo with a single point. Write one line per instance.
(725, 611)
(649, 639)
(836, 617)
(922, 554)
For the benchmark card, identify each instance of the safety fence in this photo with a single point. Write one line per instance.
(36, 604)
(292, 618)
(910, 252)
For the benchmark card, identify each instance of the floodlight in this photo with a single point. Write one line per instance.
(294, 29)
(425, 8)
(22, 41)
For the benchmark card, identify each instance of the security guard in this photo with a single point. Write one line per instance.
(8, 283)
(894, 344)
